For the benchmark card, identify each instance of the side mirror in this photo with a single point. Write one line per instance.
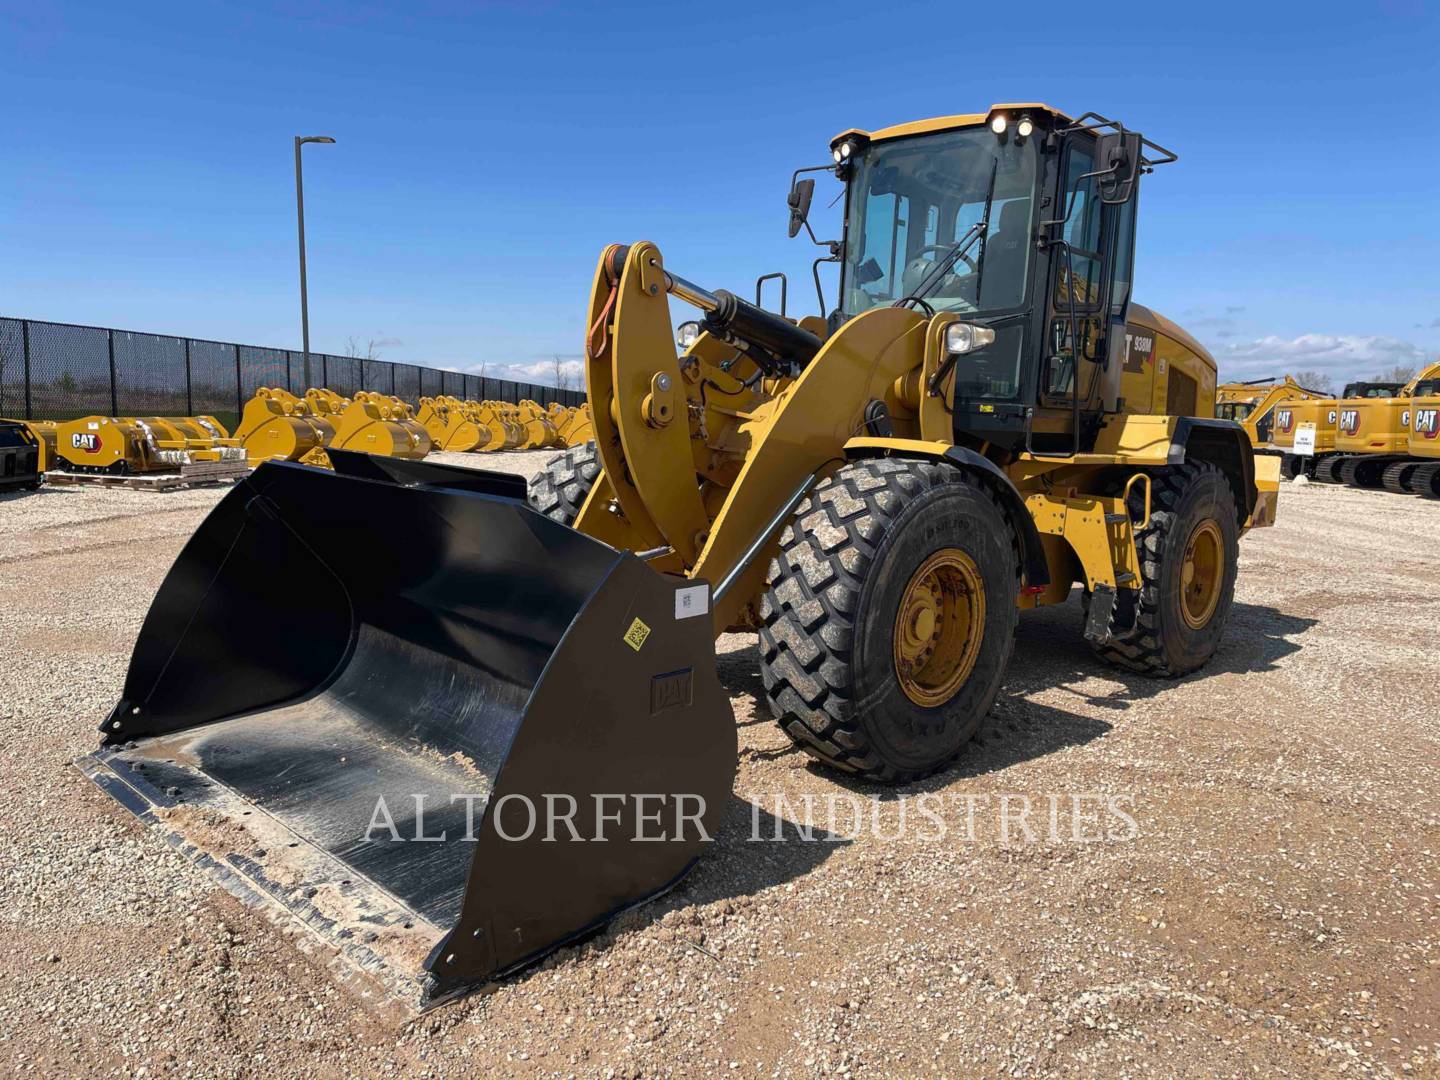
(1117, 155)
(799, 201)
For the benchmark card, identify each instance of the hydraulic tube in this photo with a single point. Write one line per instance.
(770, 340)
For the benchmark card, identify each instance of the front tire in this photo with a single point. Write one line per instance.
(1188, 556)
(560, 490)
(889, 617)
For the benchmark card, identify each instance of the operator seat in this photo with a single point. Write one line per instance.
(1007, 253)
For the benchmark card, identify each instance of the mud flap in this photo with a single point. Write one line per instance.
(436, 730)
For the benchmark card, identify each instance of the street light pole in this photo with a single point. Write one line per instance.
(301, 140)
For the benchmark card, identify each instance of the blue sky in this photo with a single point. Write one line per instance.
(487, 151)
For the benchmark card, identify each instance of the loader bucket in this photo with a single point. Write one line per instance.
(444, 749)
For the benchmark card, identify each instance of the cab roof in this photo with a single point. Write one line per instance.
(949, 123)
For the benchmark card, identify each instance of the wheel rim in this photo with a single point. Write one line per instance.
(939, 627)
(1201, 574)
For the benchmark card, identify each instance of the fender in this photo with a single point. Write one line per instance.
(1036, 569)
(1223, 443)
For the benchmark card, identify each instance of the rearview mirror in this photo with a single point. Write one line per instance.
(1117, 154)
(799, 201)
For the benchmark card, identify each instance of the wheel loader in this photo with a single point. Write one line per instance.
(1306, 427)
(1372, 437)
(497, 727)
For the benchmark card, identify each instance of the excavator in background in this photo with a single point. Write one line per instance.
(1424, 441)
(1305, 429)
(1252, 404)
(981, 421)
(1372, 440)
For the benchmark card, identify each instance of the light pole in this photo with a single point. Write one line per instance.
(301, 140)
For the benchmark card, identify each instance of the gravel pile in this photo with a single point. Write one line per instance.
(1271, 909)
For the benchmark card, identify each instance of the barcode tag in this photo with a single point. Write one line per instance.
(691, 601)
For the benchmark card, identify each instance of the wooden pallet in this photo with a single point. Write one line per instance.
(203, 474)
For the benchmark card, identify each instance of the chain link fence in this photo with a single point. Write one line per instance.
(60, 371)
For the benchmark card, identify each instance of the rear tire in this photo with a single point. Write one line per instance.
(1176, 631)
(562, 488)
(863, 546)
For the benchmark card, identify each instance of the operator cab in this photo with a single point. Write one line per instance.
(1020, 220)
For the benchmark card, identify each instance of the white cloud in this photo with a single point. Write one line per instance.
(1342, 356)
(533, 371)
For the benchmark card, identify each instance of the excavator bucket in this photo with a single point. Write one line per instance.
(477, 739)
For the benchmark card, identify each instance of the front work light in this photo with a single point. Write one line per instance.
(686, 334)
(1025, 127)
(962, 337)
(998, 123)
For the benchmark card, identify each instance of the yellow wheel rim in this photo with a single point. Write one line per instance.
(1201, 574)
(939, 627)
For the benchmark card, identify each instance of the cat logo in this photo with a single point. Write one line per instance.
(85, 440)
(1350, 421)
(1139, 348)
(1284, 420)
(1427, 422)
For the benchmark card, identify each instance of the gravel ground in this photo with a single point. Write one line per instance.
(1272, 910)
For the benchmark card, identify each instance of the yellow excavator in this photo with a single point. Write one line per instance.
(1372, 440)
(1252, 405)
(500, 725)
(1306, 429)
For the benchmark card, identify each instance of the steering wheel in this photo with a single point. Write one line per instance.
(946, 248)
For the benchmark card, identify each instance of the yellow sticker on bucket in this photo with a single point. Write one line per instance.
(636, 635)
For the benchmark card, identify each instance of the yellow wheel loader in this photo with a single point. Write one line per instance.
(1306, 428)
(130, 445)
(1372, 441)
(983, 420)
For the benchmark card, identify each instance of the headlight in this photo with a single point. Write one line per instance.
(686, 334)
(962, 337)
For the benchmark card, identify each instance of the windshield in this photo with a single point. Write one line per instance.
(912, 199)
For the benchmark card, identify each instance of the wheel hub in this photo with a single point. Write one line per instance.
(1202, 573)
(939, 627)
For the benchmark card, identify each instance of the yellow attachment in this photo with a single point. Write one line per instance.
(939, 627)
(368, 423)
(124, 444)
(44, 432)
(578, 427)
(540, 430)
(276, 426)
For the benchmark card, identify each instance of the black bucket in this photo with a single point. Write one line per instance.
(439, 729)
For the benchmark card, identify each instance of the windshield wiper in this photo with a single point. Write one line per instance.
(957, 249)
